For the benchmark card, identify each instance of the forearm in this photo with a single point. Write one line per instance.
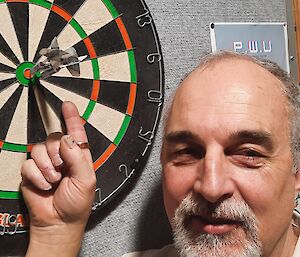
(55, 242)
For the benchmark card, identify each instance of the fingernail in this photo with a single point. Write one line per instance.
(53, 176)
(69, 141)
(45, 185)
(56, 160)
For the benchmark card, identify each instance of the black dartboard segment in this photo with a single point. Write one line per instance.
(119, 91)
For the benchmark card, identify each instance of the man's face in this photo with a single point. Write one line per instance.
(227, 154)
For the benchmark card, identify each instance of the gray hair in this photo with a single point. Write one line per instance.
(289, 88)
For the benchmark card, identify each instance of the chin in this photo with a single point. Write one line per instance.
(215, 245)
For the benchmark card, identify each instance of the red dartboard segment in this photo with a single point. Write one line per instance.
(103, 158)
(83, 121)
(96, 89)
(61, 12)
(124, 33)
(90, 48)
(29, 147)
(17, 1)
(132, 98)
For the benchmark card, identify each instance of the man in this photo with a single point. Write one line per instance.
(229, 160)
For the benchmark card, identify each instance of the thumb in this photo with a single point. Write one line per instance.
(75, 160)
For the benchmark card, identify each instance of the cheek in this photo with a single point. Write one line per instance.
(177, 184)
(271, 198)
(266, 192)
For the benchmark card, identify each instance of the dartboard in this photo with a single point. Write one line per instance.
(118, 88)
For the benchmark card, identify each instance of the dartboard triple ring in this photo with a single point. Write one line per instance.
(118, 92)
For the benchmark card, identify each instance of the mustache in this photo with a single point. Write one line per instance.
(228, 210)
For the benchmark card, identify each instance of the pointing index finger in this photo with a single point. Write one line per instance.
(75, 127)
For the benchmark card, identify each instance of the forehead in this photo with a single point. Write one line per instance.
(233, 93)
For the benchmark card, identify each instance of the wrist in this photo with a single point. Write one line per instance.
(52, 241)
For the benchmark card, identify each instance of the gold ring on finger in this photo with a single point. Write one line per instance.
(83, 145)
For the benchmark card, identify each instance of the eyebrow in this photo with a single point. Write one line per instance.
(244, 136)
(252, 136)
(180, 136)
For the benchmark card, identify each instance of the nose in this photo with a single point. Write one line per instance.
(214, 182)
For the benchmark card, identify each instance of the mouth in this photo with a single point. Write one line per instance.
(215, 226)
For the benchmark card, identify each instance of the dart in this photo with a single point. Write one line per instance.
(56, 60)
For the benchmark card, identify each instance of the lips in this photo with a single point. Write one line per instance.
(216, 226)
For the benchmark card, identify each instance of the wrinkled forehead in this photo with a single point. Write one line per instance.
(230, 76)
(229, 85)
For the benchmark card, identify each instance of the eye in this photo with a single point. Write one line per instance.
(249, 158)
(185, 151)
(251, 153)
(187, 155)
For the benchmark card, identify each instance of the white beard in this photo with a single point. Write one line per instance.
(208, 245)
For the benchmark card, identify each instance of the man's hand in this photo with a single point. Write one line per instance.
(58, 187)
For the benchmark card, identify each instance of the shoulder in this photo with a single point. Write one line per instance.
(166, 251)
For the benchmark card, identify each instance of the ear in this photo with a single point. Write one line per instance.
(297, 180)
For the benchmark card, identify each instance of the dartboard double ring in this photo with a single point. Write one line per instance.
(119, 91)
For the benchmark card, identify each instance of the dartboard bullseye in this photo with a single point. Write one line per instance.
(24, 76)
(104, 56)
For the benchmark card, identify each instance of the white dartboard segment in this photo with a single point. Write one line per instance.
(92, 16)
(68, 37)
(115, 67)
(17, 132)
(65, 95)
(38, 17)
(7, 93)
(86, 71)
(8, 32)
(50, 120)
(106, 120)
(6, 61)
(11, 178)
(4, 76)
